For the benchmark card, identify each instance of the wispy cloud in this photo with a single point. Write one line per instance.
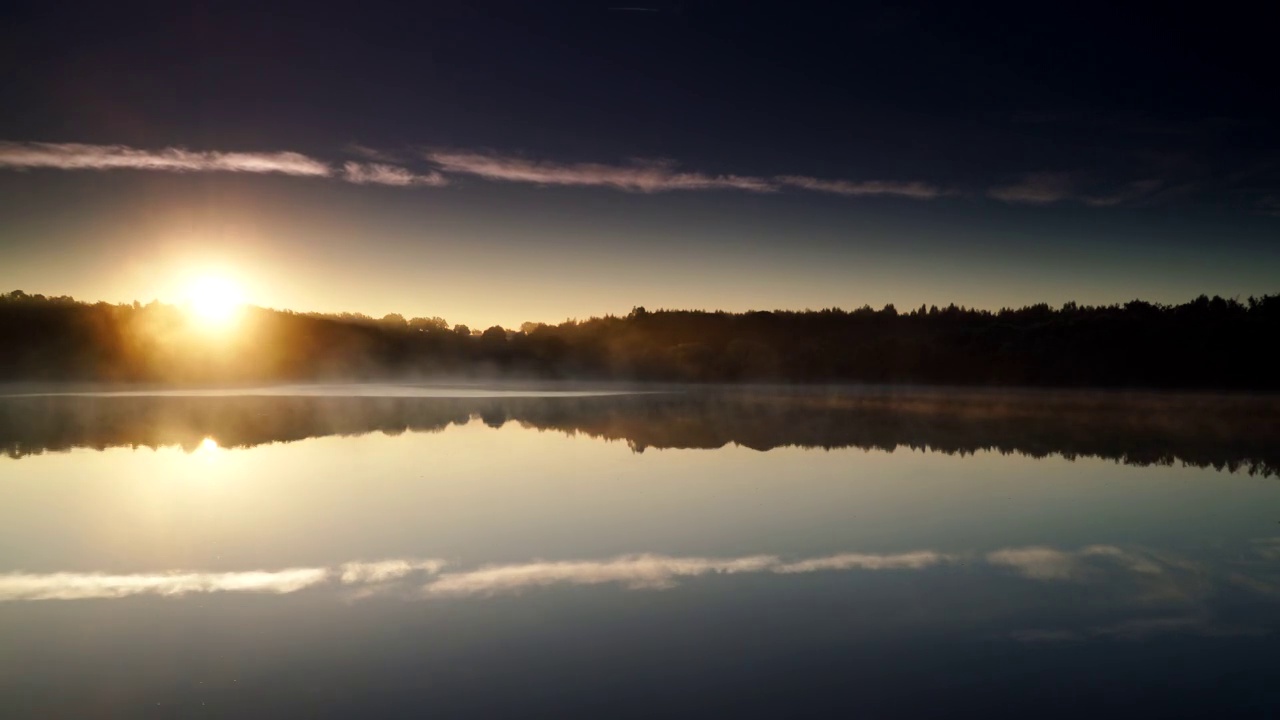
(1141, 628)
(1047, 635)
(384, 174)
(638, 176)
(1046, 188)
(631, 571)
(83, 586)
(1038, 563)
(644, 176)
(639, 571)
(79, 156)
(653, 176)
(1160, 593)
(369, 153)
(355, 573)
(915, 190)
(1040, 188)
(1142, 578)
(1203, 625)
(92, 585)
(1044, 563)
(658, 571)
(1127, 193)
(1267, 548)
(860, 561)
(1127, 559)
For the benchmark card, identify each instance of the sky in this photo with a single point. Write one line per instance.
(495, 163)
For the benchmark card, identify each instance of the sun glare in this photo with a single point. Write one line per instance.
(208, 450)
(214, 301)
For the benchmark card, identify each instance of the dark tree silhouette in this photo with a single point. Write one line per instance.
(1206, 343)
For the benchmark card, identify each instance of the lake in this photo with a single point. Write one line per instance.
(412, 551)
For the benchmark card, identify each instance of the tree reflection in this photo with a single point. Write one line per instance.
(1234, 433)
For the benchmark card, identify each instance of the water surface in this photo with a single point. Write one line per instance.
(762, 552)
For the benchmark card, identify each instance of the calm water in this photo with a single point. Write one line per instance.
(408, 552)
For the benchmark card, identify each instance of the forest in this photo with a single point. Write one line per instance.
(1207, 343)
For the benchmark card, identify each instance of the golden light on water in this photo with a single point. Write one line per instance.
(208, 449)
(214, 301)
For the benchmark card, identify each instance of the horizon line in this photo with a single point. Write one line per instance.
(636, 309)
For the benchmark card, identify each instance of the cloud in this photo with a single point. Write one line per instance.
(1127, 193)
(1203, 625)
(915, 190)
(647, 176)
(1042, 635)
(1038, 563)
(858, 561)
(1141, 628)
(1044, 563)
(1129, 560)
(356, 573)
(369, 153)
(639, 571)
(78, 156)
(384, 174)
(657, 571)
(652, 176)
(1261, 586)
(92, 585)
(83, 586)
(631, 571)
(638, 176)
(1160, 593)
(1046, 188)
(1040, 188)
(1268, 548)
(1159, 580)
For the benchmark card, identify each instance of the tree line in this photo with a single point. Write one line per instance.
(1227, 432)
(1205, 343)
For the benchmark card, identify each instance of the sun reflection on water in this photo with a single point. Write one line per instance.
(208, 449)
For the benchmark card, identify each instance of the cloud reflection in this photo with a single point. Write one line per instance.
(659, 571)
(1044, 563)
(631, 571)
(638, 571)
(1134, 577)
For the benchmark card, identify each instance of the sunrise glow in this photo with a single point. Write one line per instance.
(214, 301)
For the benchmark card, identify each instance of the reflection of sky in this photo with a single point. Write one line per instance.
(562, 569)
(575, 636)
(476, 495)
(1137, 582)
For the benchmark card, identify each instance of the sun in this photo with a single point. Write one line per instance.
(214, 301)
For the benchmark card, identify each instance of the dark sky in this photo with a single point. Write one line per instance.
(499, 162)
